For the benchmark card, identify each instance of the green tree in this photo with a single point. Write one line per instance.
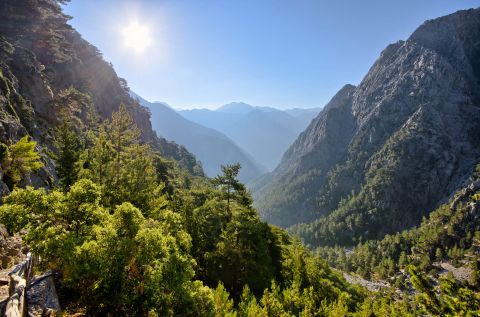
(121, 263)
(426, 296)
(223, 304)
(242, 254)
(438, 254)
(248, 306)
(68, 146)
(230, 185)
(123, 166)
(18, 160)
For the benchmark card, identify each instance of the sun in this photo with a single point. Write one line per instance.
(137, 37)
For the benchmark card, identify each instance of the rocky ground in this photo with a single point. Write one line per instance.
(11, 250)
(11, 253)
(461, 273)
(42, 296)
(370, 285)
(4, 284)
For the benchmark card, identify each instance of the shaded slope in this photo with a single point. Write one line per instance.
(399, 145)
(211, 147)
(48, 73)
(262, 131)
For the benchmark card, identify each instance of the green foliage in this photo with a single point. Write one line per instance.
(180, 154)
(223, 304)
(137, 236)
(121, 164)
(75, 107)
(436, 239)
(229, 184)
(136, 233)
(174, 244)
(449, 234)
(242, 254)
(19, 160)
(451, 299)
(123, 262)
(68, 146)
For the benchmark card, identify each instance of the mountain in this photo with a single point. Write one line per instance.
(263, 132)
(211, 147)
(49, 73)
(380, 156)
(134, 235)
(449, 235)
(242, 108)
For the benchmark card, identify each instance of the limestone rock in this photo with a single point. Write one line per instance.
(400, 143)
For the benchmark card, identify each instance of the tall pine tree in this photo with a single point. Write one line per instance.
(68, 145)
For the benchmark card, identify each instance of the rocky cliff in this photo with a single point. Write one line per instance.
(49, 73)
(383, 154)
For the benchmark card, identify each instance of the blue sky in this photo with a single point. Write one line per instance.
(277, 53)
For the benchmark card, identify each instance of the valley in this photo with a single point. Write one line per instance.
(368, 206)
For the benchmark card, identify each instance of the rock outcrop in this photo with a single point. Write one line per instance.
(10, 249)
(49, 73)
(383, 154)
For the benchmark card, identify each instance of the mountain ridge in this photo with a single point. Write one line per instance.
(263, 132)
(49, 73)
(210, 146)
(415, 137)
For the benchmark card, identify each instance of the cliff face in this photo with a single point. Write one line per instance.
(49, 73)
(48, 57)
(383, 154)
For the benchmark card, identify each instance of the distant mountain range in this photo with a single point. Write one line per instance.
(211, 147)
(256, 137)
(263, 132)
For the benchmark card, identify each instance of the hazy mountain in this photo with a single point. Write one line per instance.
(242, 108)
(382, 155)
(211, 147)
(263, 132)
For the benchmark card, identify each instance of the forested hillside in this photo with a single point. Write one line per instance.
(128, 225)
(382, 155)
(126, 220)
(49, 74)
(450, 233)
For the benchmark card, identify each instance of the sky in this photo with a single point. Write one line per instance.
(277, 53)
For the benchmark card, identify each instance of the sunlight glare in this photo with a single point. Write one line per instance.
(137, 37)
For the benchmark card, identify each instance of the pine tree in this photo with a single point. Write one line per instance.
(19, 160)
(68, 146)
(232, 188)
(121, 164)
(427, 293)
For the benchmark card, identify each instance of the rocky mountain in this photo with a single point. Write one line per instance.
(263, 132)
(383, 154)
(49, 73)
(211, 147)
